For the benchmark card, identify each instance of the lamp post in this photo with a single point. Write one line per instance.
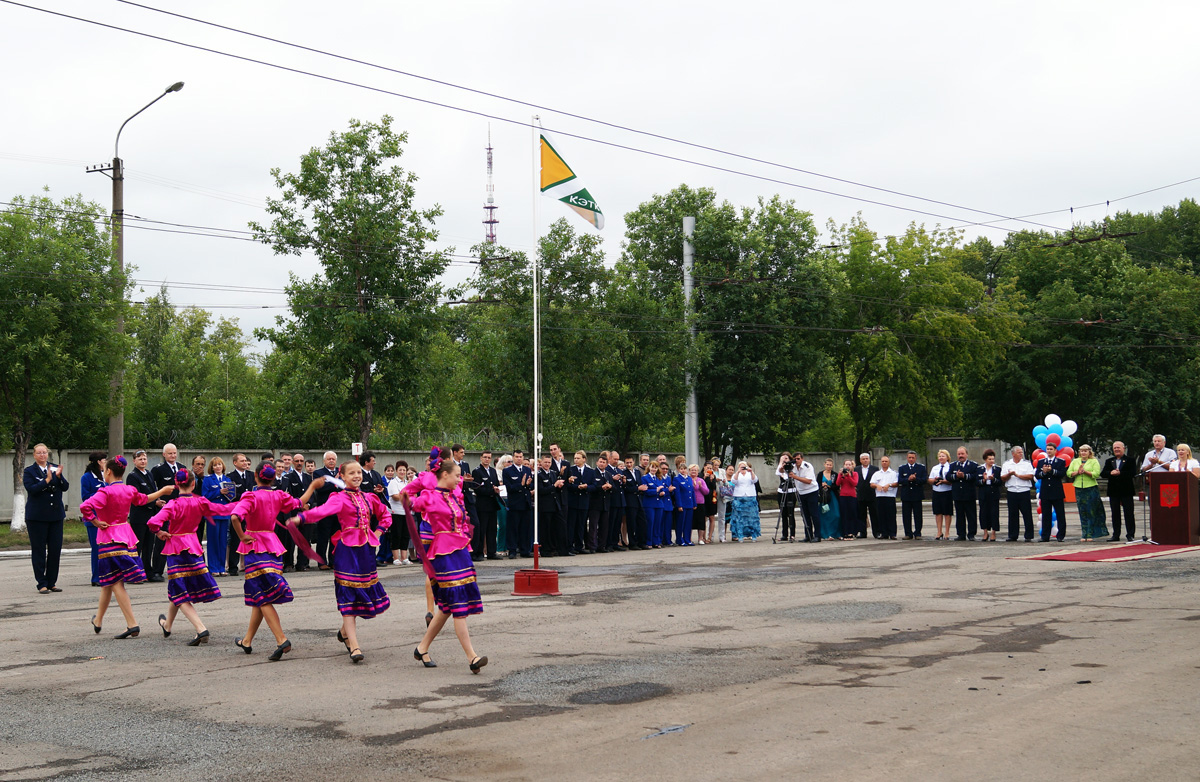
(116, 419)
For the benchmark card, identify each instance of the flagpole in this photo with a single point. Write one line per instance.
(537, 340)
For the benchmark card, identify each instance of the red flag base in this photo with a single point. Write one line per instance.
(532, 583)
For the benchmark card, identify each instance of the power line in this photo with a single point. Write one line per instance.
(498, 118)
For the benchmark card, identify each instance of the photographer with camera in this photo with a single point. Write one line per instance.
(787, 499)
(847, 483)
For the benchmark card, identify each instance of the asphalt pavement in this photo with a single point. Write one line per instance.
(863, 660)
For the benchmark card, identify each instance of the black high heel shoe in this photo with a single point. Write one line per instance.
(247, 648)
(477, 663)
(201, 638)
(280, 651)
(95, 627)
(130, 632)
(421, 658)
(162, 622)
(344, 640)
(356, 655)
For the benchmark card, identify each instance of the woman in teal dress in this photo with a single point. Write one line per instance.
(831, 523)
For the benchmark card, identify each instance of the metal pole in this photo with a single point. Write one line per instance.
(691, 417)
(537, 346)
(116, 418)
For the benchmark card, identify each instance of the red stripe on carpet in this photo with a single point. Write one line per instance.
(1113, 553)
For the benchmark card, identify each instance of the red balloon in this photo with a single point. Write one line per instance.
(1038, 454)
(1053, 439)
(1067, 459)
(1067, 453)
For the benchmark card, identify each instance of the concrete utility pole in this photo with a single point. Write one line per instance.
(116, 419)
(691, 417)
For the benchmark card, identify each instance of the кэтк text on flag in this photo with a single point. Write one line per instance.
(558, 181)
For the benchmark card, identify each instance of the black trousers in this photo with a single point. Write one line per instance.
(548, 542)
(45, 541)
(913, 512)
(145, 546)
(326, 528)
(519, 531)
(288, 559)
(399, 534)
(635, 522)
(867, 508)
(886, 508)
(1116, 505)
(810, 509)
(232, 556)
(989, 513)
(787, 515)
(309, 531)
(1018, 507)
(1060, 512)
(577, 528)
(483, 541)
(597, 527)
(965, 522)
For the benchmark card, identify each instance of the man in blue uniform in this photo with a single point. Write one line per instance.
(912, 495)
(963, 476)
(1051, 470)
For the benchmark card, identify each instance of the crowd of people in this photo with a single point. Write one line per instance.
(612, 504)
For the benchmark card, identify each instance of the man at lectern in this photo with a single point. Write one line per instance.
(1157, 458)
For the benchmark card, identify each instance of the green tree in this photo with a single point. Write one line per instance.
(58, 345)
(911, 323)
(368, 316)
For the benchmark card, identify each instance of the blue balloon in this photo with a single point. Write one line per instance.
(1056, 429)
(1067, 442)
(1040, 439)
(1039, 429)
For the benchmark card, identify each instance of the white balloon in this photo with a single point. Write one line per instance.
(1052, 419)
(1069, 428)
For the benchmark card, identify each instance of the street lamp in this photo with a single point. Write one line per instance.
(116, 419)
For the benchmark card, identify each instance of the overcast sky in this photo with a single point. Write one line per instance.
(1012, 108)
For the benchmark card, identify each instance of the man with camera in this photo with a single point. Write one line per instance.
(787, 497)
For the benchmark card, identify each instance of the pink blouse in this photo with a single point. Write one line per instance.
(110, 504)
(447, 516)
(701, 490)
(353, 510)
(181, 516)
(257, 510)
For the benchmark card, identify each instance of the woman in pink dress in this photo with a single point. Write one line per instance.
(108, 511)
(188, 579)
(260, 509)
(355, 578)
(448, 558)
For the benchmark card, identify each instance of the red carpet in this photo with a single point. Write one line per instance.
(1123, 553)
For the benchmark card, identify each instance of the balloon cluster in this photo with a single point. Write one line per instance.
(1056, 432)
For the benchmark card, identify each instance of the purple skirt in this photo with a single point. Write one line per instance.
(265, 584)
(454, 586)
(119, 562)
(356, 582)
(188, 580)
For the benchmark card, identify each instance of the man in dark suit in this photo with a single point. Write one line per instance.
(1052, 470)
(912, 495)
(141, 479)
(547, 511)
(518, 480)
(635, 516)
(164, 475)
(487, 505)
(1120, 471)
(579, 487)
(326, 527)
(295, 482)
(559, 464)
(458, 454)
(44, 514)
(963, 476)
(865, 493)
(243, 481)
(598, 506)
(616, 501)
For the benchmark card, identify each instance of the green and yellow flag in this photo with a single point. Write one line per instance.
(558, 181)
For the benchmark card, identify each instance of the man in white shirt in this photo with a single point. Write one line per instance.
(1017, 474)
(807, 490)
(1157, 459)
(885, 481)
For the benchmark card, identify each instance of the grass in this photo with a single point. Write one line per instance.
(74, 536)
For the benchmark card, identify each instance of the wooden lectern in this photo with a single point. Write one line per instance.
(1174, 508)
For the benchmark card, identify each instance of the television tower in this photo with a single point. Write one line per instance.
(489, 209)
